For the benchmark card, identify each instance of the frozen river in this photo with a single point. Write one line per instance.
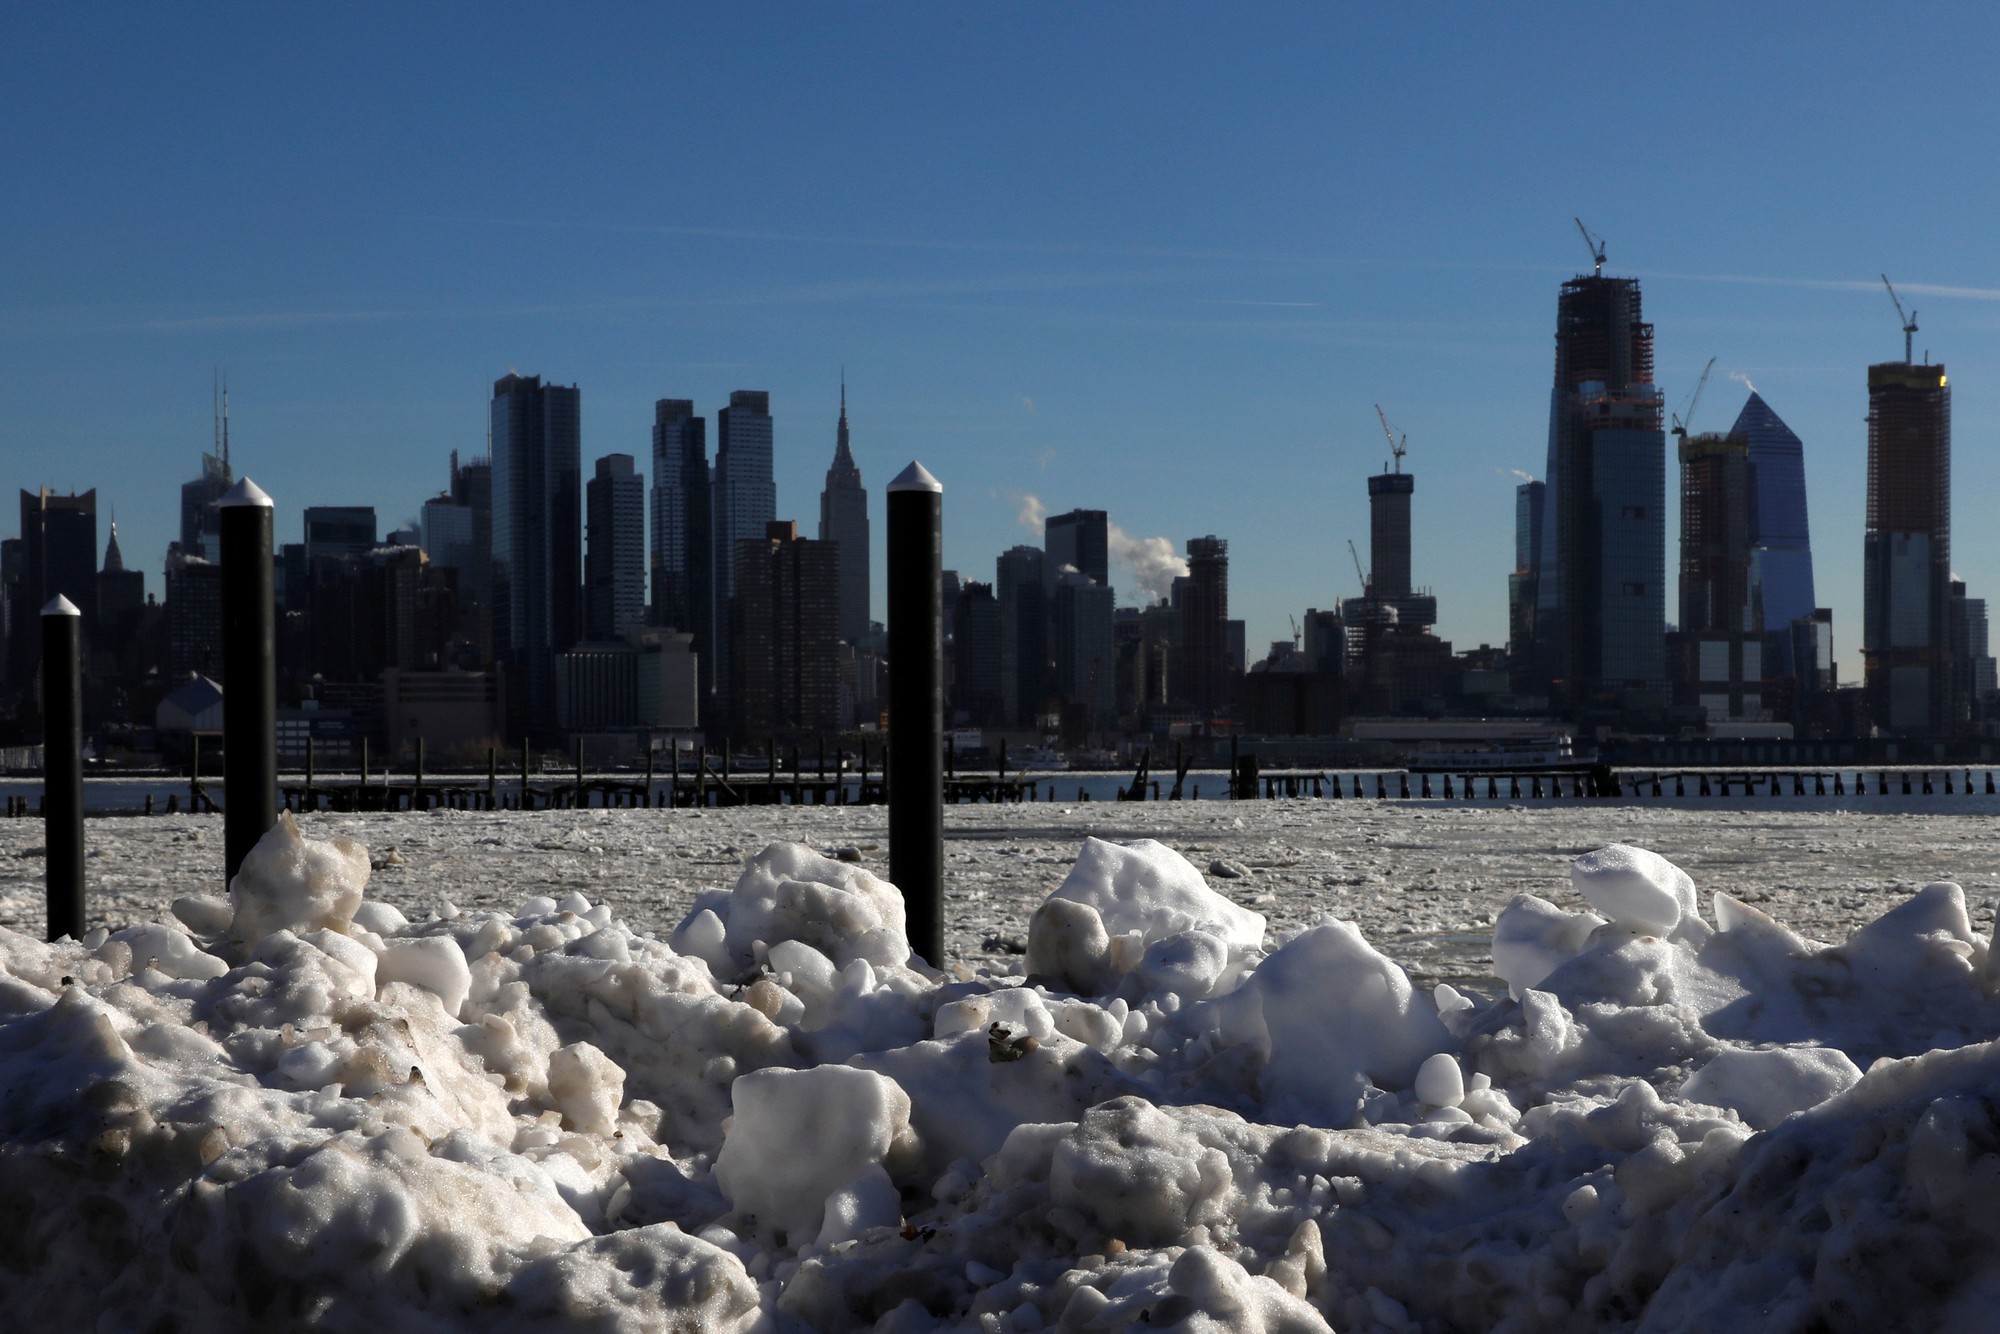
(1423, 879)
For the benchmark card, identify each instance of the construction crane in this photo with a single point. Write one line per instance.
(1685, 418)
(1909, 320)
(1296, 637)
(1359, 573)
(1397, 447)
(1596, 244)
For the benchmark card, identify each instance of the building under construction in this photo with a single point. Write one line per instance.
(1600, 615)
(1905, 643)
(1718, 652)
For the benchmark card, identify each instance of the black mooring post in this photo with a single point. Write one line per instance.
(916, 705)
(579, 774)
(62, 766)
(523, 803)
(311, 801)
(249, 674)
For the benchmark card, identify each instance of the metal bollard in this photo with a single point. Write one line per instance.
(62, 767)
(250, 669)
(916, 704)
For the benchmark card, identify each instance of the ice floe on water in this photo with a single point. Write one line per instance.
(297, 1106)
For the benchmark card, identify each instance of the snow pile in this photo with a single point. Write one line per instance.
(295, 1106)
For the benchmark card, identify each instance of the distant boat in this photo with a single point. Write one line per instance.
(1093, 759)
(1035, 757)
(1549, 752)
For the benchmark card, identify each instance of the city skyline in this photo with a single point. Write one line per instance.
(1186, 245)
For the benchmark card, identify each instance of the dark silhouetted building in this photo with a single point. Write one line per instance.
(843, 521)
(786, 625)
(1080, 539)
(683, 535)
(1024, 644)
(537, 539)
(1718, 650)
(976, 655)
(745, 499)
(1085, 656)
(1907, 552)
(1202, 598)
(614, 560)
(1600, 616)
(1521, 584)
(58, 558)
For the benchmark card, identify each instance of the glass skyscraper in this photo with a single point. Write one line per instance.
(537, 536)
(1781, 571)
(683, 536)
(745, 498)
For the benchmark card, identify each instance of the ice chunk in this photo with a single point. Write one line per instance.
(289, 882)
(1634, 887)
(1440, 1083)
(1532, 938)
(435, 963)
(790, 892)
(870, 1200)
(162, 947)
(1334, 1015)
(1764, 1087)
(1217, 1287)
(643, 1278)
(587, 1086)
(1139, 1172)
(797, 1136)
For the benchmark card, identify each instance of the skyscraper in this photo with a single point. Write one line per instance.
(537, 536)
(615, 555)
(683, 536)
(785, 620)
(1528, 498)
(200, 519)
(1389, 532)
(59, 558)
(745, 497)
(1080, 539)
(1717, 652)
(1907, 550)
(1781, 568)
(1204, 607)
(843, 520)
(1600, 617)
(1024, 644)
(1085, 656)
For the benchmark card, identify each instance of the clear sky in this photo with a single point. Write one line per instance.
(1158, 259)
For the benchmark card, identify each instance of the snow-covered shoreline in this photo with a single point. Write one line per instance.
(300, 1105)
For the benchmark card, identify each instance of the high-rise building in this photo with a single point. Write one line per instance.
(200, 518)
(58, 557)
(1600, 616)
(1717, 652)
(1907, 550)
(1079, 539)
(121, 598)
(683, 536)
(537, 538)
(976, 655)
(193, 616)
(1085, 655)
(1024, 644)
(745, 498)
(334, 531)
(843, 521)
(1528, 497)
(1781, 567)
(785, 621)
(615, 555)
(1389, 533)
(1203, 599)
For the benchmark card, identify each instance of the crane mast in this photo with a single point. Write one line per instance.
(1685, 419)
(1397, 448)
(1909, 320)
(1596, 244)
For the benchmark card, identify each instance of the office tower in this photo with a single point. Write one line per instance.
(193, 616)
(334, 531)
(58, 556)
(1907, 550)
(370, 613)
(121, 597)
(1079, 539)
(1528, 498)
(1204, 606)
(976, 655)
(843, 521)
(1024, 645)
(1085, 655)
(786, 624)
(1600, 616)
(683, 536)
(447, 533)
(200, 519)
(1717, 652)
(1781, 569)
(537, 537)
(615, 558)
(745, 498)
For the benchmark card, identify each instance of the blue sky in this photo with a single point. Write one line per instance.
(1158, 259)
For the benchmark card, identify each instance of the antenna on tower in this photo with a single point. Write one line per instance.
(1909, 321)
(1596, 244)
(1397, 447)
(225, 427)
